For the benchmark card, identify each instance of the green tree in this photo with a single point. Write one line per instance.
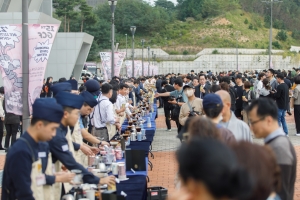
(147, 19)
(281, 35)
(65, 9)
(168, 5)
(86, 14)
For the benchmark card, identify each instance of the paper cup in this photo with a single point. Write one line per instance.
(122, 171)
(114, 168)
(90, 194)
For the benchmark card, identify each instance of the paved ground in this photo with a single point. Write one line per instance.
(164, 147)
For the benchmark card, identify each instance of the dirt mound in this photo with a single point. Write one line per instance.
(220, 22)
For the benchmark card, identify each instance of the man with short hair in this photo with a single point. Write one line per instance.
(179, 95)
(195, 82)
(188, 80)
(193, 104)
(271, 76)
(203, 88)
(136, 91)
(142, 85)
(104, 114)
(239, 128)
(263, 119)
(122, 104)
(212, 107)
(282, 100)
(166, 87)
(259, 85)
(239, 101)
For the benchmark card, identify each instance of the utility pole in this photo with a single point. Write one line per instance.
(143, 56)
(237, 50)
(112, 4)
(25, 66)
(271, 27)
(148, 61)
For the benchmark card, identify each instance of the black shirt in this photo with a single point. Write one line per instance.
(282, 96)
(239, 101)
(167, 88)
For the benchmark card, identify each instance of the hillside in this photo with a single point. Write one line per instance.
(191, 36)
(184, 28)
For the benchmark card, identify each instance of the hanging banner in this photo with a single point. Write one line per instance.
(106, 63)
(146, 64)
(138, 68)
(128, 65)
(155, 70)
(11, 66)
(41, 38)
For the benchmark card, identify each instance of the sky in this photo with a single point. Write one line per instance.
(152, 1)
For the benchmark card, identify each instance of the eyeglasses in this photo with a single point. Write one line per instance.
(252, 123)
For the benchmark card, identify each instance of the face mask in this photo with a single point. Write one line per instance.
(189, 93)
(162, 87)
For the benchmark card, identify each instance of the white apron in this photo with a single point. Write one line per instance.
(48, 189)
(58, 165)
(111, 128)
(79, 156)
(36, 170)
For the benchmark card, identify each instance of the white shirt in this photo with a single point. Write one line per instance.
(259, 86)
(122, 100)
(106, 111)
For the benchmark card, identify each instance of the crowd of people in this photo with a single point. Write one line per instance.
(217, 116)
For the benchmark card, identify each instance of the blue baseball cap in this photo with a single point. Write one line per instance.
(212, 100)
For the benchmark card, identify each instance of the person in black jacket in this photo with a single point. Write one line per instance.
(282, 99)
(166, 87)
(203, 88)
(12, 123)
(158, 88)
(136, 91)
(263, 118)
(289, 84)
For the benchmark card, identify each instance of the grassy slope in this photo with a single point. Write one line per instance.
(219, 32)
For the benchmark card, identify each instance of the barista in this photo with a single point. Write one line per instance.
(61, 145)
(22, 175)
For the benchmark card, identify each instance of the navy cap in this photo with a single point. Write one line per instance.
(92, 85)
(89, 99)
(47, 109)
(212, 101)
(59, 87)
(67, 99)
(74, 84)
(188, 86)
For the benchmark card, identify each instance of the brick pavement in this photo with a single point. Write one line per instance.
(164, 146)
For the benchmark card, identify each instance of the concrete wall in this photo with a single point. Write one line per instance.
(138, 52)
(224, 63)
(68, 54)
(33, 18)
(294, 48)
(233, 51)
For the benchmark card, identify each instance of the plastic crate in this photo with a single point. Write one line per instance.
(157, 193)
